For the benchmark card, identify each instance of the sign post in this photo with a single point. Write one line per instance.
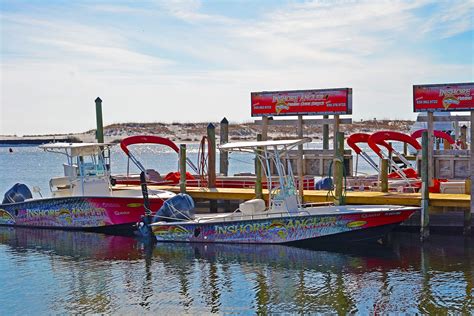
(298, 103)
(447, 98)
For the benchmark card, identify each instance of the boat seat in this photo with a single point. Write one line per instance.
(60, 182)
(251, 207)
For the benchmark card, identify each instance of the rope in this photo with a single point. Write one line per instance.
(344, 188)
(202, 160)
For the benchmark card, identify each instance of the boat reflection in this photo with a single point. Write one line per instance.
(71, 243)
(94, 273)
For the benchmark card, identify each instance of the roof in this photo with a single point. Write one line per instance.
(266, 143)
(75, 149)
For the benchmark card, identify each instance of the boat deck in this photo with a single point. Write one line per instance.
(313, 196)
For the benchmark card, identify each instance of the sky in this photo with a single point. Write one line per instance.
(198, 61)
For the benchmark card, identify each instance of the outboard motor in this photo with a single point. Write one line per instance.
(179, 207)
(18, 193)
(323, 184)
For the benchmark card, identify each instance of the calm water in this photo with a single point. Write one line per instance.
(44, 272)
(52, 272)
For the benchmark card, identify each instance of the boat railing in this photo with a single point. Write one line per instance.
(235, 216)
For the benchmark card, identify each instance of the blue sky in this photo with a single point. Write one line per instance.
(191, 60)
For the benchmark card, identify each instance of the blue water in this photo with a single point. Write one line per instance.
(56, 272)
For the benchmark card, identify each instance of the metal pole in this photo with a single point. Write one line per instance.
(182, 168)
(224, 155)
(425, 194)
(100, 127)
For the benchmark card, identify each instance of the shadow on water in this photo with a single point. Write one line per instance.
(74, 272)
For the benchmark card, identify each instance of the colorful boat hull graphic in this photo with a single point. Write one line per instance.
(278, 230)
(75, 212)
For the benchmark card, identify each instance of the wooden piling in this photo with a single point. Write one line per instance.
(258, 173)
(265, 127)
(430, 148)
(100, 127)
(211, 163)
(325, 134)
(405, 149)
(446, 145)
(338, 166)
(300, 159)
(384, 175)
(224, 155)
(336, 130)
(468, 213)
(182, 168)
(425, 195)
(463, 137)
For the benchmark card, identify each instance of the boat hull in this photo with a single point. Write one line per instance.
(104, 214)
(301, 230)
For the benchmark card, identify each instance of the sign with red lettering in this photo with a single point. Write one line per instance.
(443, 97)
(302, 102)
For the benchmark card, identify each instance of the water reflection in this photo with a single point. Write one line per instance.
(73, 272)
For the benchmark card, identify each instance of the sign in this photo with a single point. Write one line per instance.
(443, 97)
(302, 102)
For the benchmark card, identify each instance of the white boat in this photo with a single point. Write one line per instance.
(283, 219)
(82, 199)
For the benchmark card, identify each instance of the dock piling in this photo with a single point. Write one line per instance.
(224, 155)
(425, 194)
(258, 173)
(430, 148)
(300, 159)
(100, 126)
(338, 166)
(211, 165)
(326, 134)
(384, 175)
(265, 127)
(463, 137)
(468, 213)
(182, 168)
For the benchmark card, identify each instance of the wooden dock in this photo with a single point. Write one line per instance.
(312, 196)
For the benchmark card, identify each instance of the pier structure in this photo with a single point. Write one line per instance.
(431, 98)
(321, 102)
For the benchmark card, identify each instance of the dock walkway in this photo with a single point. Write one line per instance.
(312, 196)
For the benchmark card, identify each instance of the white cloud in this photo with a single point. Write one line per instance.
(56, 67)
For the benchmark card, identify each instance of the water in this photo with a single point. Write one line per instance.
(56, 272)
(45, 271)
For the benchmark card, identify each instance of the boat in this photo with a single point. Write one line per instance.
(197, 178)
(404, 177)
(282, 219)
(82, 199)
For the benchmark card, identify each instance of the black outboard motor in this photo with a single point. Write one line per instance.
(18, 193)
(179, 207)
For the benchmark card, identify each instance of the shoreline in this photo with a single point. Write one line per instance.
(193, 132)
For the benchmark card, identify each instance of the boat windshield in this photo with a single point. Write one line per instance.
(274, 158)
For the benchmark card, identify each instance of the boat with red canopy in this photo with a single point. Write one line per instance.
(196, 179)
